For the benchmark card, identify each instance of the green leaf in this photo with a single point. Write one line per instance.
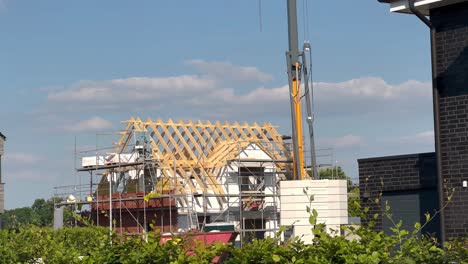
(403, 232)
(417, 226)
(312, 220)
(315, 213)
(399, 224)
(311, 198)
(428, 217)
(276, 258)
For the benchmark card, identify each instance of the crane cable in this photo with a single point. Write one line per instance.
(260, 15)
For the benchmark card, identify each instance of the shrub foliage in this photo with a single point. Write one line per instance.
(36, 244)
(95, 245)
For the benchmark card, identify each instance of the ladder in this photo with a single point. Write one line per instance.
(192, 216)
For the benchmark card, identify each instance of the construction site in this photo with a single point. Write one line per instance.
(153, 181)
(228, 181)
(176, 177)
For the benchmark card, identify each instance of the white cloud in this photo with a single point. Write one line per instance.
(362, 95)
(131, 89)
(372, 87)
(343, 142)
(421, 138)
(227, 71)
(371, 95)
(426, 135)
(92, 124)
(210, 95)
(193, 88)
(22, 158)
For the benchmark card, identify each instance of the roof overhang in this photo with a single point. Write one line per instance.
(402, 6)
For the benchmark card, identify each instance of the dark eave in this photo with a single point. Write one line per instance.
(423, 6)
(2, 136)
(397, 157)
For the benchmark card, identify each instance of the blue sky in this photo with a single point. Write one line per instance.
(75, 69)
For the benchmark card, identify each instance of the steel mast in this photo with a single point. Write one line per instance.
(296, 67)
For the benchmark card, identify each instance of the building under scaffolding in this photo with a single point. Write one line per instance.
(179, 176)
(192, 175)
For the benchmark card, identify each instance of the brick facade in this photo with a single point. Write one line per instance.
(454, 155)
(413, 172)
(401, 173)
(451, 44)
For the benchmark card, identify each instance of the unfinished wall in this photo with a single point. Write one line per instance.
(249, 181)
(132, 214)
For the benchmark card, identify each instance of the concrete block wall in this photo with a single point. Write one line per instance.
(393, 173)
(330, 201)
(451, 46)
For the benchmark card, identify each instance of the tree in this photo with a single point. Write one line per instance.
(336, 172)
(17, 217)
(354, 202)
(41, 214)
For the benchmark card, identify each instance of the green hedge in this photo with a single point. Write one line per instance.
(95, 245)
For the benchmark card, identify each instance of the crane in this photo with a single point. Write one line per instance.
(297, 70)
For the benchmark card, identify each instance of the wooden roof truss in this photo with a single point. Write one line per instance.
(195, 153)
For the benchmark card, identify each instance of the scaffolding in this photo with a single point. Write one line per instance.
(189, 175)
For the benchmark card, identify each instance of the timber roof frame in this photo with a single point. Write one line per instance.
(196, 151)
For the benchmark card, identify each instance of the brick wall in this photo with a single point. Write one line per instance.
(394, 173)
(451, 45)
(454, 155)
(452, 81)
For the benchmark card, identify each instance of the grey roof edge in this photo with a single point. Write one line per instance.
(393, 157)
(2, 136)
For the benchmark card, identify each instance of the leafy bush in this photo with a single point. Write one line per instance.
(402, 246)
(95, 245)
(32, 244)
(373, 247)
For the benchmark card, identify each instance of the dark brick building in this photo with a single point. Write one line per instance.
(451, 48)
(408, 183)
(448, 23)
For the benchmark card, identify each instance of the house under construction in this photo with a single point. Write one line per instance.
(178, 176)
